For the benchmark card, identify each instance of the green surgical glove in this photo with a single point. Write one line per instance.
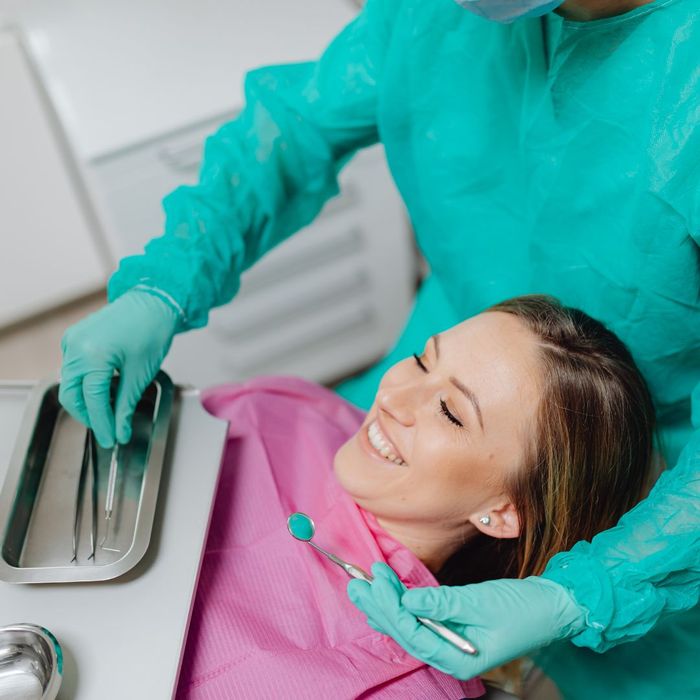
(131, 335)
(503, 619)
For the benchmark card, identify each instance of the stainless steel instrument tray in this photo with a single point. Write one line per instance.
(38, 498)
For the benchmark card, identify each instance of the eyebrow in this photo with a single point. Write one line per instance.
(464, 389)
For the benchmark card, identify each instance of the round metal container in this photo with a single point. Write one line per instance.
(31, 663)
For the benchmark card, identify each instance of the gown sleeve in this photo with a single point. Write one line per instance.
(267, 173)
(647, 566)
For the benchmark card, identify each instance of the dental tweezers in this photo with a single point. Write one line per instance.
(93, 529)
(89, 458)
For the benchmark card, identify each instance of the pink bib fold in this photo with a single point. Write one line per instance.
(271, 618)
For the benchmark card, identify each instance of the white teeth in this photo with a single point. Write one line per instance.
(377, 440)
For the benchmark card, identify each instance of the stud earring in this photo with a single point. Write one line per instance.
(485, 519)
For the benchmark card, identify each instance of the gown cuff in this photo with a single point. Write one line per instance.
(117, 288)
(589, 585)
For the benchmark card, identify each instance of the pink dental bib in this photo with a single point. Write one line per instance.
(271, 618)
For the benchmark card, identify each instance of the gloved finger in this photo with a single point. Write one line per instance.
(440, 603)
(398, 622)
(96, 394)
(362, 596)
(131, 388)
(403, 626)
(381, 602)
(70, 391)
(386, 587)
(379, 568)
(432, 649)
(70, 396)
(66, 341)
(386, 591)
(376, 628)
(357, 591)
(382, 570)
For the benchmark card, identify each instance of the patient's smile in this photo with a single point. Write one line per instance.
(381, 444)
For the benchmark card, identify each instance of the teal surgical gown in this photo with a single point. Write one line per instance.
(545, 156)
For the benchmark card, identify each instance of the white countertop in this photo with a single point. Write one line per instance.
(121, 72)
(124, 638)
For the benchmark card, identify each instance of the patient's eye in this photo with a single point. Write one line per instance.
(446, 412)
(443, 406)
(419, 362)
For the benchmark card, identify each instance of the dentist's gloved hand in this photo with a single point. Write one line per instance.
(502, 619)
(131, 335)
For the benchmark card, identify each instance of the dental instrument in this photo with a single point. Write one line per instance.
(93, 528)
(302, 528)
(109, 499)
(79, 495)
(111, 482)
(89, 463)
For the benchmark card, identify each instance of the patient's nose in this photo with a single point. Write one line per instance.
(398, 400)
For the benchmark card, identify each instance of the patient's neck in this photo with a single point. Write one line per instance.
(433, 545)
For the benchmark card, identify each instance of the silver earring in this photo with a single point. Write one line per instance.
(485, 519)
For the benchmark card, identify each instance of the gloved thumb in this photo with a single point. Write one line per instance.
(440, 603)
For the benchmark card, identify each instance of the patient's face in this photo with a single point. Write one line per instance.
(444, 433)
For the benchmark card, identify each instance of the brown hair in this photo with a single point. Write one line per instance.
(591, 453)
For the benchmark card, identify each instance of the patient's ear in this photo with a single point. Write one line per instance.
(501, 521)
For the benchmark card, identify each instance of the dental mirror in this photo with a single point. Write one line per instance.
(302, 528)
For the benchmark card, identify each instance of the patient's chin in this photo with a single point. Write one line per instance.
(346, 467)
(341, 457)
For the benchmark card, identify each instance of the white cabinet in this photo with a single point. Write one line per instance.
(49, 245)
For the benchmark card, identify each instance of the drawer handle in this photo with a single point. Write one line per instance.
(183, 159)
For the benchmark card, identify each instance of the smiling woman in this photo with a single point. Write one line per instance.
(520, 431)
(460, 416)
(513, 435)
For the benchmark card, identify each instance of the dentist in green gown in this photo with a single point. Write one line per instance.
(540, 147)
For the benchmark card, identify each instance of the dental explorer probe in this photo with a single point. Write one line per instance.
(302, 528)
(111, 482)
(109, 498)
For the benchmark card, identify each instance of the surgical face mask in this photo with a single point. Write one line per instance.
(506, 11)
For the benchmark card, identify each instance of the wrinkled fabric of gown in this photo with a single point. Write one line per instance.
(545, 156)
(271, 618)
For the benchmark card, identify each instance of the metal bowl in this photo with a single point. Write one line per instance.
(31, 663)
